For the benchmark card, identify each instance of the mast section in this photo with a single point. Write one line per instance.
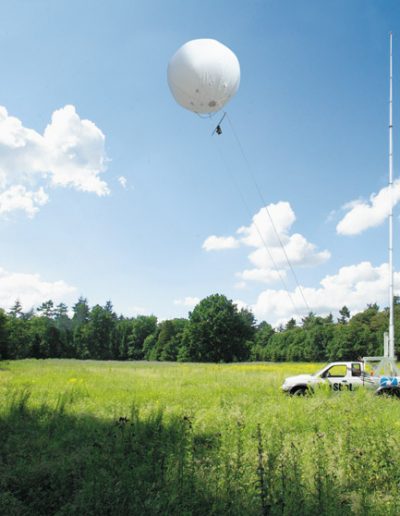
(391, 307)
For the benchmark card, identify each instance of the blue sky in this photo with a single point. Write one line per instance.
(311, 114)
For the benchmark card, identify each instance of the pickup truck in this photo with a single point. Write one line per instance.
(342, 376)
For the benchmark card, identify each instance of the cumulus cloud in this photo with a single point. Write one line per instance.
(362, 215)
(269, 234)
(299, 251)
(215, 243)
(353, 286)
(69, 153)
(240, 304)
(261, 275)
(189, 302)
(31, 290)
(123, 182)
(19, 198)
(261, 230)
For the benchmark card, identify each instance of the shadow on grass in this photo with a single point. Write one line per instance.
(54, 463)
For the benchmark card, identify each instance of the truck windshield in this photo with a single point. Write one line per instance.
(319, 372)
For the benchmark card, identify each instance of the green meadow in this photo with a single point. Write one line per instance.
(87, 437)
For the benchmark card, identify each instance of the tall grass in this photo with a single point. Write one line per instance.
(143, 438)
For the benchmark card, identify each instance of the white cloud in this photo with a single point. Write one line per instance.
(70, 153)
(299, 251)
(240, 304)
(261, 231)
(31, 289)
(269, 234)
(75, 151)
(275, 245)
(363, 215)
(353, 286)
(123, 182)
(214, 243)
(261, 275)
(189, 302)
(19, 198)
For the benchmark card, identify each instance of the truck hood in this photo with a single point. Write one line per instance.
(301, 378)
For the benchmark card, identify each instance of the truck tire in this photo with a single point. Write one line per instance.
(389, 392)
(301, 390)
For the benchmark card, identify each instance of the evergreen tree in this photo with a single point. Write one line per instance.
(46, 309)
(18, 337)
(344, 315)
(4, 337)
(81, 312)
(63, 325)
(80, 319)
(16, 309)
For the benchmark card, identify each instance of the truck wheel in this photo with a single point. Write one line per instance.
(395, 393)
(299, 391)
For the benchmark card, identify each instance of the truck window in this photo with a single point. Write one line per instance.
(336, 371)
(355, 369)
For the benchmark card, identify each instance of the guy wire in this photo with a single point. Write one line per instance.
(260, 194)
(233, 179)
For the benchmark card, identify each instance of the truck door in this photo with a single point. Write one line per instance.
(339, 378)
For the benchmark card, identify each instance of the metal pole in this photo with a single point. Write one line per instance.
(391, 317)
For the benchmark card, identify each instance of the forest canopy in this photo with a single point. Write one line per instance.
(215, 331)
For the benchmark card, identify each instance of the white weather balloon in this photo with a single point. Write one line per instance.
(203, 75)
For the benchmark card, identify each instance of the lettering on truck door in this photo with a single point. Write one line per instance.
(339, 377)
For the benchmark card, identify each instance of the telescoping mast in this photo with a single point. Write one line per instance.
(387, 363)
(390, 351)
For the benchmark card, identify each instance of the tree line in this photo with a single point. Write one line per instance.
(215, 331)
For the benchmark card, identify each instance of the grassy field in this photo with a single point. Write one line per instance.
(164, 438)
